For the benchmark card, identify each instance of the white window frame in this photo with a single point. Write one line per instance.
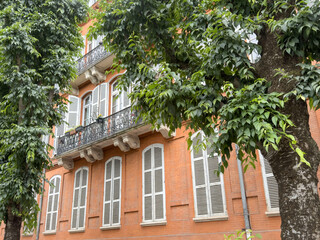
(53, 194)
(67, 126)
(111, 201)
(153, 194)
(84, 106)
(79, 199)
(119, 99)
(207, 184)
(265, 185)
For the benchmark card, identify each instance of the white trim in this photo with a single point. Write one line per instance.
(53, 194)
(77, 229)
(211, 219)
(265, 185)
(110, 227)
(111, 224)
(210, 215)
(153, 221)
(49, 232)
(150, 224)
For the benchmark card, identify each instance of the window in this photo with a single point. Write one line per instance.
(153, 184)
(95, 104)
(208, 188)
(87, 105)
(91, 2)
(79, 198)
(120, 100)
(73, 112)
(53, 203)
(270, 185)
(112, 192)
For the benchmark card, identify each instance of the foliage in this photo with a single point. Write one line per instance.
(242, 235)
(39, 40)
(188, 63)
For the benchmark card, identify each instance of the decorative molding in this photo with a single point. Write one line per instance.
(84, 154)
(66, 162)
(97, 74)
(75, 91)
(164, 130)
(95, 152)
(132, 140)
(119, 143)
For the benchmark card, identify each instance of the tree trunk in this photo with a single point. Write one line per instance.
(298, 194)
(13, 226)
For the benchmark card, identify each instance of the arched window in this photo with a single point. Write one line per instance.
(53, 204)
(208, 188)
(153, 184)
(87, 109)
(112, 192)
(120, 100)
(79, 198)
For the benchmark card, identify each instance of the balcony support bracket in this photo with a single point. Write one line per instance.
(119, 143)
(97, 74)
(84, 154)
(66, 162)
(164, 130)
(132, 140)
(95, 152)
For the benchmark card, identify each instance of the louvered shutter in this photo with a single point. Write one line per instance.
(272, 185)
(153, 181)
(215, 184)
(59, 131)
(73, 112)
(83, 50)
(79, 199)
(95, 103)
(103, 100)
(112, 197)
(53, 203)
(147, 185)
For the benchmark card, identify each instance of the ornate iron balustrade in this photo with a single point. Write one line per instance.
(103, 128)
(91, 58)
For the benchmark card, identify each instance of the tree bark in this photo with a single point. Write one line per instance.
(298, 194)
(13, 226)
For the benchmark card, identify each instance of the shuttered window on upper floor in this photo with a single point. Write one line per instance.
(112, 192)
(153, 184)
(79, 198)
(209, 196)
(270, 185)
(53, 204)
(119, 99)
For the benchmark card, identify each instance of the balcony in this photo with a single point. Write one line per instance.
(102, 129)
(92, 58)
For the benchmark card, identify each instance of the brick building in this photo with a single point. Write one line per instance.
(115, 178)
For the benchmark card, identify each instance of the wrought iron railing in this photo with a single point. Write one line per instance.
(91, 58)
(102, 128)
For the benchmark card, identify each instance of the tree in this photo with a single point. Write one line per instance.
(38, 42)
(188, 61)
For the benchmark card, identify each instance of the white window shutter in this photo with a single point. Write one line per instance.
(59, 131)
(153, 184)
(103, 100)
(95, 102)
(79, 199)
(271, 185)
(208, 187)
(73, 112)
(53, 204)
(83, 50)
(112, 196)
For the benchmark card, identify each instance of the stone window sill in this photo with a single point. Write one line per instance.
(275, 213)
(211, 219)
(27, 235)
(150, 224)
(79, 230)
(49, 233)
(105, 228)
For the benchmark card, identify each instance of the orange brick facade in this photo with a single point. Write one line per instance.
(179, 192)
